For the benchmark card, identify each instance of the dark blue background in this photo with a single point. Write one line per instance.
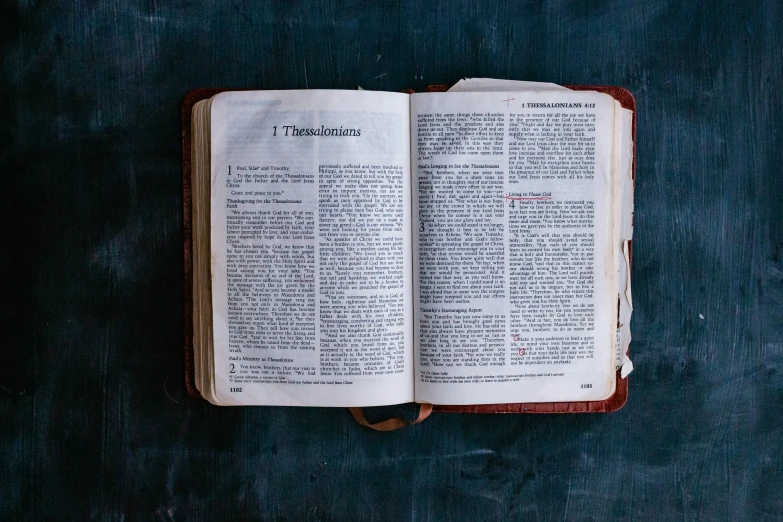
(95, 423)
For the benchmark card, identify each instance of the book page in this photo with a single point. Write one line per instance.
(623, 148)
(515, 250)
(311, 251)
(493, 85)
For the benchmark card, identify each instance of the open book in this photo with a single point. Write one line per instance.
(358, 248)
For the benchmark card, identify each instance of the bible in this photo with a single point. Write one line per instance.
(467, 249)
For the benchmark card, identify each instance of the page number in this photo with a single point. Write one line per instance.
(587, 385)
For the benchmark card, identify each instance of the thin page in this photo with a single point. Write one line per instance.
(515, 251)
(311, 251)
(493, 85)
(624, 179)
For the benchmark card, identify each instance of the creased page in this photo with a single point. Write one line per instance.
(515, 281)
(311, 250)
(493, 85)
(624, 186)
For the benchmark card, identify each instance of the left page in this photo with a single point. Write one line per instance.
(311, 250)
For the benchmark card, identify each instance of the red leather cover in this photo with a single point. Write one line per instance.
(613, 403)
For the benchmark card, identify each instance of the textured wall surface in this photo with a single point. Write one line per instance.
(95, 421)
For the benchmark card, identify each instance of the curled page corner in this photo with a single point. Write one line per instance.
(626, 368)
(627, 257)
(493, 85)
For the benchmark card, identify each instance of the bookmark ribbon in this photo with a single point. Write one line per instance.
(393, 423)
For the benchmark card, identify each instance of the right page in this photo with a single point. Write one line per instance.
(515, 258)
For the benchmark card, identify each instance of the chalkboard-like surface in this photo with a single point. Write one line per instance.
(95, 420)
